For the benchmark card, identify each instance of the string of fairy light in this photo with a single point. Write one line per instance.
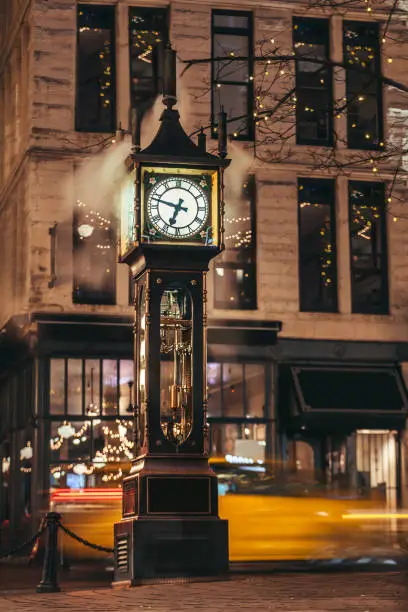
(361, 55)
(117, 447)
(105, 57)
(363, 217)
(89, 221)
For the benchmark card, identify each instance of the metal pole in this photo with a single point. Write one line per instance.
(49, 582)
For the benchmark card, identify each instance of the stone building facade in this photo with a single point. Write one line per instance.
(315, 366)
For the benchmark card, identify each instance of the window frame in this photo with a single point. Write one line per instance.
(332, 205)
(113, 115)
(238, 418)
(103, 298)
(379, 89)
(99, 392)
(329, 142)
(249, 33)
(384, 308)
(166, 13)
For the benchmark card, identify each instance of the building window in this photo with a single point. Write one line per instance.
(363, 85)
(95, 103)
(84, 388)
(236, 409)
(235, 268)
(232, 80)
(317, 245)
(368, 248)
(94, 243)
(91, 424)
(148, 34)
(314, 94)
(236, 390)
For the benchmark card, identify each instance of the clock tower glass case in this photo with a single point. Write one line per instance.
(176, 408)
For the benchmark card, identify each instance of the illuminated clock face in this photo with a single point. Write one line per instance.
(177, 207)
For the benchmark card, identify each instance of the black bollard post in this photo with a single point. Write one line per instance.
(49, 582)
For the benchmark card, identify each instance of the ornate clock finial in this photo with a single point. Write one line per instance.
(169, 77)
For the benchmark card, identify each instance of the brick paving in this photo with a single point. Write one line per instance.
(345, 592)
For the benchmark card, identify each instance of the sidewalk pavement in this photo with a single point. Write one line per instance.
(321, 592)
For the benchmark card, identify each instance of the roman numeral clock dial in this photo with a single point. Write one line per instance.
(177, 207)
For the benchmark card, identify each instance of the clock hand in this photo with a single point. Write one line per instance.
(171, 204)
(177, 209)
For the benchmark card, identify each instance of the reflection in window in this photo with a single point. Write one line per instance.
(90, 449)
(235, 268)
(96, 106)
(94, 243)
(148, 35)
(214, 389)
(254, 390)
(92, 387)
(57, 386)
(74, 395)
(233, 389)
(81, 389)
(243, 440)
(313, 81)
(70, 441)
(112, 441)
(368, 248)
(110, 387)
(236, 390)
(126, 380)
(363, 85)
(317, 246)
(232, 87)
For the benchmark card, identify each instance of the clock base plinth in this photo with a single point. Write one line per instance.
(148, 549)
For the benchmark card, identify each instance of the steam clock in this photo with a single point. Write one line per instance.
(174, 227)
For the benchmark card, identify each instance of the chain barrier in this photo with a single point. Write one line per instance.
(83, 541)
(50, 524)
(30, 542)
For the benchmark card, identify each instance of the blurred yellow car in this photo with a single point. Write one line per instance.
(272, 516)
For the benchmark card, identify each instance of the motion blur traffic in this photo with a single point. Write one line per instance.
(273, 513)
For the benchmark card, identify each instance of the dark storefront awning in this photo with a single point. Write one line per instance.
(350, 397)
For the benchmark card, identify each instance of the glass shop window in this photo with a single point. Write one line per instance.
(74, 394)
(94, 244)
(317, 245)
(57, 386)
(148, 35)
(109, 387)
(126, 387)
(235, 269)
(96, 78)
(214, 392)
(70, 441)
(232, 85)
(91, 387)
(113, 441)
(243, 440)
(236, 390)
